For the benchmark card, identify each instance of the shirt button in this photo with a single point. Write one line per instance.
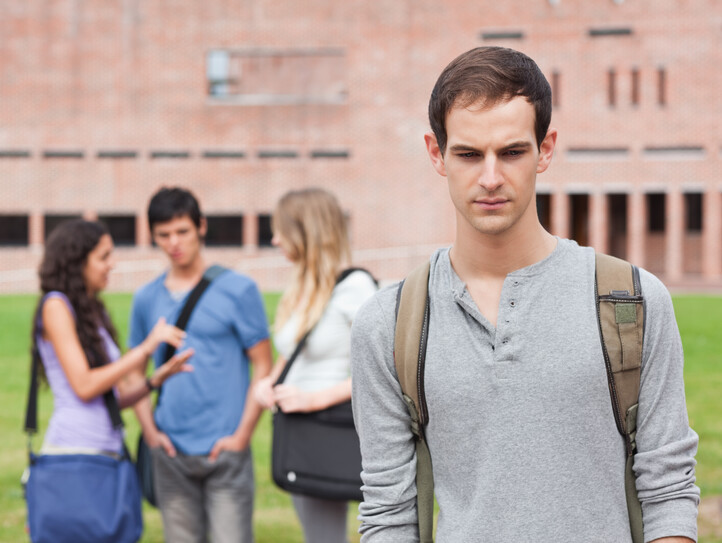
(512, 303)
(516, 283)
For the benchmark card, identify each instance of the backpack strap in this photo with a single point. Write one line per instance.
(620, 313)
(412, 328)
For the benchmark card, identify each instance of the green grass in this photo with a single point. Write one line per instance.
(275, 521)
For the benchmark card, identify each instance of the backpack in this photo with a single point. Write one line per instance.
(620, 315)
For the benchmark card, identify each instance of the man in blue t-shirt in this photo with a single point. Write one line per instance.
(201, 430)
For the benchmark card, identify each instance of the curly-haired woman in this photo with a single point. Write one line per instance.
(77, 343)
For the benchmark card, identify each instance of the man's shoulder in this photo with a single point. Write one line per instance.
(233, 283)
(150, 289)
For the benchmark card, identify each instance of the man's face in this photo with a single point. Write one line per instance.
(491, 162)
(180, 239)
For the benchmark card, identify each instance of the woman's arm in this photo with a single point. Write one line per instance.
(87, 383)
(292, 399)
(136, 386)
(263, 391)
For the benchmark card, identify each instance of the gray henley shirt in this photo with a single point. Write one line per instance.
(521, 432)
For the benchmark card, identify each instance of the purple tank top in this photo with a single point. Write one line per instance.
(75, 423)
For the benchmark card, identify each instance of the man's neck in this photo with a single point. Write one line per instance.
(483, 256)
(185, 277)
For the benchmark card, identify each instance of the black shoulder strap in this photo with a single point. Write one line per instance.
(348, 271)
(190, 304)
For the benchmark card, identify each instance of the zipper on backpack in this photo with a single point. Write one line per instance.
(421, 363)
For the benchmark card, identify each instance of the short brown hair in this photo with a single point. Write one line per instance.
(490, 75)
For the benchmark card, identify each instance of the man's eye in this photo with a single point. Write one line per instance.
(514, 152)
(469, 154)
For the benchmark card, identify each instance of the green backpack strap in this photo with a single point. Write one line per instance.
(412, 327)
(620, 313)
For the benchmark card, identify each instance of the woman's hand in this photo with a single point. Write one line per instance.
(263, 392)
(163, 332)
(177, 364)
(292, 399)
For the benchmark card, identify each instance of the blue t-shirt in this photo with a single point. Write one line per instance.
(196, 409)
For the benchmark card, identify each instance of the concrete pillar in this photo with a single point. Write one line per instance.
(250, 230)
(712, 234)
(560, 214)
(636, 227)
(674, 235)
(36, 229)
(598, 222)
(142, 233)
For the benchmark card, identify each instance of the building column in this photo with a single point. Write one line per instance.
(712, 234)
(598, 222)
(636, 227)
(250, 230)
(36, 230)
(142, 232)
(560, 214)
(674, 235)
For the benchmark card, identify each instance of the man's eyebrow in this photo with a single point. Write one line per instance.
(463, 148)
(522, 144)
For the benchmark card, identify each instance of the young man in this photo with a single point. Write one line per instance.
(203, 422)
(521, 432)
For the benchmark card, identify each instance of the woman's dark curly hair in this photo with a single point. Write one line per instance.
(66, 252)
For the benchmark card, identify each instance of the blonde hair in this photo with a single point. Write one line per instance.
(313, 227)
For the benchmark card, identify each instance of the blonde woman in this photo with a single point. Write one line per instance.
(310, 228)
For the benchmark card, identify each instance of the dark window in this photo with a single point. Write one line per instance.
(662, 87)
(62, 154)
(224, 154)
(635, 87)
(14, 153)
(121, 228)
(599, 32)
(579, 218)
(265, 234)
(655, 212)
(617, 229)
(544, 210)
(224, 230)
(52, 220)
(502, 35)
(280, 153)
(170, 154)
(612, 87)
(330, 153)
(14, 230)
(117, 154)
(693, 211)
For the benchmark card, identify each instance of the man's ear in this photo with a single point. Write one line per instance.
(435, 154)
(546, 150)
(203, 227)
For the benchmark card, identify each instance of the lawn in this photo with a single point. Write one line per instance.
(699, 319)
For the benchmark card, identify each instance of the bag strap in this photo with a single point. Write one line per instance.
(302, 342)
(185, 314)
(412, 329)
(620, 314)
(190, 304)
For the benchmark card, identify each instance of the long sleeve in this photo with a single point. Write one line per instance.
(388, 512)
(664, 464)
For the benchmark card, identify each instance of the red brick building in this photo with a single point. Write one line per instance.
(241, 100)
